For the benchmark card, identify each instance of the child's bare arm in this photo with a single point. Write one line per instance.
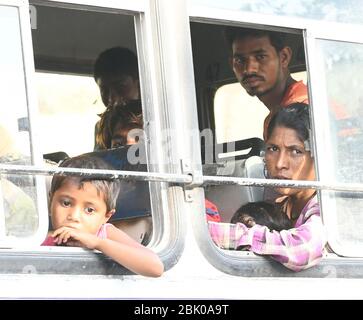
(129, 253)
(119, 246)
(72, 237)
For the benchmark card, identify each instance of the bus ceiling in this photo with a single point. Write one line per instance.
(68, 41)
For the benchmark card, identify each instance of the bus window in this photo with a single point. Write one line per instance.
(16, 142)
(62, 46)
(67, 92)
(226, 109)
(332, 73)
(19, 211)
(237, 114)
(335, 11)
(68, 99)
(66, 42)
(234, 122)
(341, 67)
(234, 116)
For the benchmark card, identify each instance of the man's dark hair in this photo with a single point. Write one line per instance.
(117, 60)
(277, 39)
(295, 116)
(263, 213)
(109, 187)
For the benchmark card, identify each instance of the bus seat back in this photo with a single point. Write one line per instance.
(134, 198)
(228, 198)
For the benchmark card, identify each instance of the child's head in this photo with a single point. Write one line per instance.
(262, 213)
(83, 202)
(116, 125)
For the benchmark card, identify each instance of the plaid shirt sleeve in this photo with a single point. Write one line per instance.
(297, 249)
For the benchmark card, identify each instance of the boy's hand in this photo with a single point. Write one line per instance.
(75, 238)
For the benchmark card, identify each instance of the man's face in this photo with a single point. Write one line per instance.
(256, 64)
(118, 89)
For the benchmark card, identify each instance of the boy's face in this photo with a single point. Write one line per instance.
(82, 208)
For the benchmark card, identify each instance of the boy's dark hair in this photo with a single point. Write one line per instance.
(295, 116)
(277, 39)
(109, 187)
(128, 116)
(263, 213)
(116, 61)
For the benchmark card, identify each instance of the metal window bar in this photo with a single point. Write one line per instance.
(109, 174)
(182, 179)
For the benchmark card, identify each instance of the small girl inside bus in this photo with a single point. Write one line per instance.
(287, 157)
(121, 125)
(80, 208)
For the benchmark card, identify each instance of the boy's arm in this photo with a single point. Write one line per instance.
(129, 253)
(74, 238)
(118, 246)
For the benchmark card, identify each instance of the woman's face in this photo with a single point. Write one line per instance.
(286, 158)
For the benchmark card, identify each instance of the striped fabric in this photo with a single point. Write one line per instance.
(297, 249)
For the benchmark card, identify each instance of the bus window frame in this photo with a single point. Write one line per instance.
(246, 263)
(28, 68)
(346, 34)
(166, 199)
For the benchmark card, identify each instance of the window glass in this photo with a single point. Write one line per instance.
(348, 11)
(239, 116)
(18, 214)
(14, 125)
(237, 113)
(68, 109)
(343, 65)
(343, 73)
(69, 99)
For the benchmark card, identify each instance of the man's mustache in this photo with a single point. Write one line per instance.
(249, 76)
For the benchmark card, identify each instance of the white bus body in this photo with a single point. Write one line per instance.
(183, 61)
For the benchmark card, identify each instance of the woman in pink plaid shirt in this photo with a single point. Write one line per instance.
(287, 157)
